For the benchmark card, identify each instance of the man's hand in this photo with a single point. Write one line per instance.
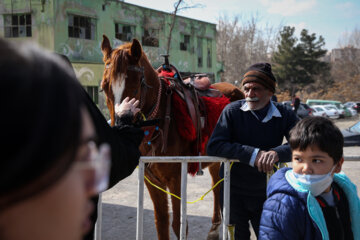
(265, 160)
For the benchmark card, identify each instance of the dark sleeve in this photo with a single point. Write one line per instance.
(221, 143)
(124, 141)
(284, 150)
(281, 219)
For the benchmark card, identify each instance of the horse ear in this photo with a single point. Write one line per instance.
(106, 48)
(136, 50)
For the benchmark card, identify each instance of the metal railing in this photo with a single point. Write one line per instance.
(184, 160)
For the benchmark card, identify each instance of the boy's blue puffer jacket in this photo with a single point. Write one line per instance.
(296, 214)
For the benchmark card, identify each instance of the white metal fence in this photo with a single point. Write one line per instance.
(184, 160)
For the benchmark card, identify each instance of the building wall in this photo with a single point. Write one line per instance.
(42, 20)
(50, 28)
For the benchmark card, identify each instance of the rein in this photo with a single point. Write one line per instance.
(155, 109)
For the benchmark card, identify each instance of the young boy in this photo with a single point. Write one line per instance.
(313, 200)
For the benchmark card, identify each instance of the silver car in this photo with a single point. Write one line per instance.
(329, 111)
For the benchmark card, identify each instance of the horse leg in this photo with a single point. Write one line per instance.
(216, 219)
(161, 210)
(174, 187)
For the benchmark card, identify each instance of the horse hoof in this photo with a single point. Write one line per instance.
(214, 232)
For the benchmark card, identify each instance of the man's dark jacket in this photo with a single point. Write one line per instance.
(239, 132)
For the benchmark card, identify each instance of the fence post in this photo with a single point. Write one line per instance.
(183, 215)
(226, 207)
(140, 203)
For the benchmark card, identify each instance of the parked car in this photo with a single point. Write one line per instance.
(303, 111)
(346, 110)
(352, 135)
(330, 111)
(317, 111)
(354, 105)
(352, 111)
(340, 111)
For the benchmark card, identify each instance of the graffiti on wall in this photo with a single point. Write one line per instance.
(85, 73)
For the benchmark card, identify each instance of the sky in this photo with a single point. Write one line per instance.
(331, 19)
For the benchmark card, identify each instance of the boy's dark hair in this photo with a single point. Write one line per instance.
(318, 131)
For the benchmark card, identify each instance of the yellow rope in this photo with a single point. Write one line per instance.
(143, 116)
(200, 198)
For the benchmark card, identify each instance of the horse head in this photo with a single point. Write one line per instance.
(123, 74)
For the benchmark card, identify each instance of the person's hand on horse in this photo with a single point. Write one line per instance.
(266, 160)
(127, 106)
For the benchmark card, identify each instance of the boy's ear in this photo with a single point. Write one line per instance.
(339, 165)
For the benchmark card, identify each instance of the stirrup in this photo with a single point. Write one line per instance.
(200, 172)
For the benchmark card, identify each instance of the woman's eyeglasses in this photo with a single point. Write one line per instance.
(100, 161)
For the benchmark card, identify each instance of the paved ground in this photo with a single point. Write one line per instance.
(119, 203)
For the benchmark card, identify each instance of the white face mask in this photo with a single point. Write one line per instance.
(316, 184)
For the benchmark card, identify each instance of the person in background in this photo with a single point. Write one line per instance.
(313, 200)
(50, 166)
(124, 139)
(296, 104)
(252, 130)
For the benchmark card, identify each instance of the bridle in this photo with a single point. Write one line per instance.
(144, 86)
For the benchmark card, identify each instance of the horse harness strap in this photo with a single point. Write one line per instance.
(155, 110)
(169, 92)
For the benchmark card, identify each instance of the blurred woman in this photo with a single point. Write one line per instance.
(49, 163)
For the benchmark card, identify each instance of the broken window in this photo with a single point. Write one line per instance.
(200, 52)
(150, 37)
(17, 25)
(81, 27)
(124, 32)
(209, 62)
(185, 44)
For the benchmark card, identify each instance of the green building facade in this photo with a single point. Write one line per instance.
(75, 28)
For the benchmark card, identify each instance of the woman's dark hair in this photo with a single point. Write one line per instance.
(320, 132)
(41, 120)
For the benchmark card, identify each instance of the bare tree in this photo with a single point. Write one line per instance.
(345, 71)
(242, 43)
(179, 6)
(350, 39)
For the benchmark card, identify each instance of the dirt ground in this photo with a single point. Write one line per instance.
(119, 203)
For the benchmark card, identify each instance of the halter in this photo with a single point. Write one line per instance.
(144, 86)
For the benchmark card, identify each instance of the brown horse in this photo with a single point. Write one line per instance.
(128, 73)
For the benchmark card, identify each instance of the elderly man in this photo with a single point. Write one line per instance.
(252, 130)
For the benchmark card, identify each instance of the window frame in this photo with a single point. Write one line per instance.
(93, 92)
(18, 27)
(150, 41)
(199, 52)
(122, 25)
(83, 27)
(209, 53)
(185, 45)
